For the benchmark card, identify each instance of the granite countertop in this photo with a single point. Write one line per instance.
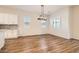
(2, 30)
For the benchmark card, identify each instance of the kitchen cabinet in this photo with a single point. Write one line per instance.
(8, 18)
(14, 35)
(12, 19)
(1, 19)
(2, 39)
(9, 21)
(11, 34)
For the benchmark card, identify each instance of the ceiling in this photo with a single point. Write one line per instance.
(48, 9)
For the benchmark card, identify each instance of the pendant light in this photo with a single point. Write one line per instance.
(42, 16)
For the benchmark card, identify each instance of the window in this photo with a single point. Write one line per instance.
(26, 21)
(44, 23)
(56, 22)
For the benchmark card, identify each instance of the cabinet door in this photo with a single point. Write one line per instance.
(13, 19)
(2, 20)
(5, 19)
(10, 17)
(6, 32)
(2, 39)
(15, 35)
(11, 34)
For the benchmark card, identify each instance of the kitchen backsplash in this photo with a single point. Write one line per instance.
(5, 26)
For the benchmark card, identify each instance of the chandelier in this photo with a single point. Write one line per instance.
(42, 16)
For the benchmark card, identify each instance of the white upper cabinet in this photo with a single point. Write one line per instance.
(1, 18)
(5, 18)
(8, 18)
(12, 19)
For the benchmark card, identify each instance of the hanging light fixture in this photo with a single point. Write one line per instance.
(42, 16)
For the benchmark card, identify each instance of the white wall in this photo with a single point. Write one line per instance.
(74, 22)
(34, 26)
(70, 23)
(64, 30)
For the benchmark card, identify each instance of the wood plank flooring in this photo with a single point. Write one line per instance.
(41, 44)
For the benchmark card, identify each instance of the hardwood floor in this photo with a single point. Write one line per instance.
(40, 44)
